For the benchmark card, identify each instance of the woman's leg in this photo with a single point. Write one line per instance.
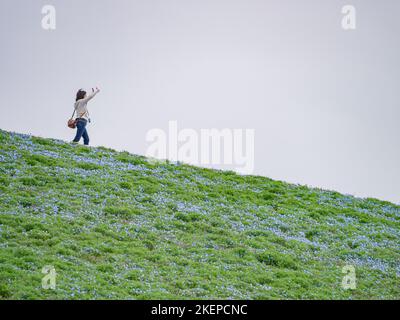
(80, 129)
(85, 137)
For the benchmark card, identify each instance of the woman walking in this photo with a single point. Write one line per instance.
(82, 114)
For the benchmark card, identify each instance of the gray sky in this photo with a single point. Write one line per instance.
(324, 102)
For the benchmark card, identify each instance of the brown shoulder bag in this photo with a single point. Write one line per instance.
(72, 122)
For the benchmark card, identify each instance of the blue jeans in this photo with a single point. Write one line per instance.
(81, 132)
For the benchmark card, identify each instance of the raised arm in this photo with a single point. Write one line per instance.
(91, 96)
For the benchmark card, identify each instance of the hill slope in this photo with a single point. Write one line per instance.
(115, 225)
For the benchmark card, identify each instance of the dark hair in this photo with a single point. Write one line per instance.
(80, 94)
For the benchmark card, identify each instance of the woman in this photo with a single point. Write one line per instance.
(82, 115)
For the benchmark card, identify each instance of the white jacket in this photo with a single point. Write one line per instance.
(81, 110)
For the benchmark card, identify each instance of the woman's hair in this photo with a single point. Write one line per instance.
(80, 94)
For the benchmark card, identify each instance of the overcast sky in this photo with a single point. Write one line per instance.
(324, 102)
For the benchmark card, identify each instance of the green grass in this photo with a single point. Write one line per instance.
(118, 226)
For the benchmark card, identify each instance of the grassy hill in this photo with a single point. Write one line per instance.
(115, 225)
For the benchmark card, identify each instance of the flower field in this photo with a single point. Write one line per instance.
(120, 226)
